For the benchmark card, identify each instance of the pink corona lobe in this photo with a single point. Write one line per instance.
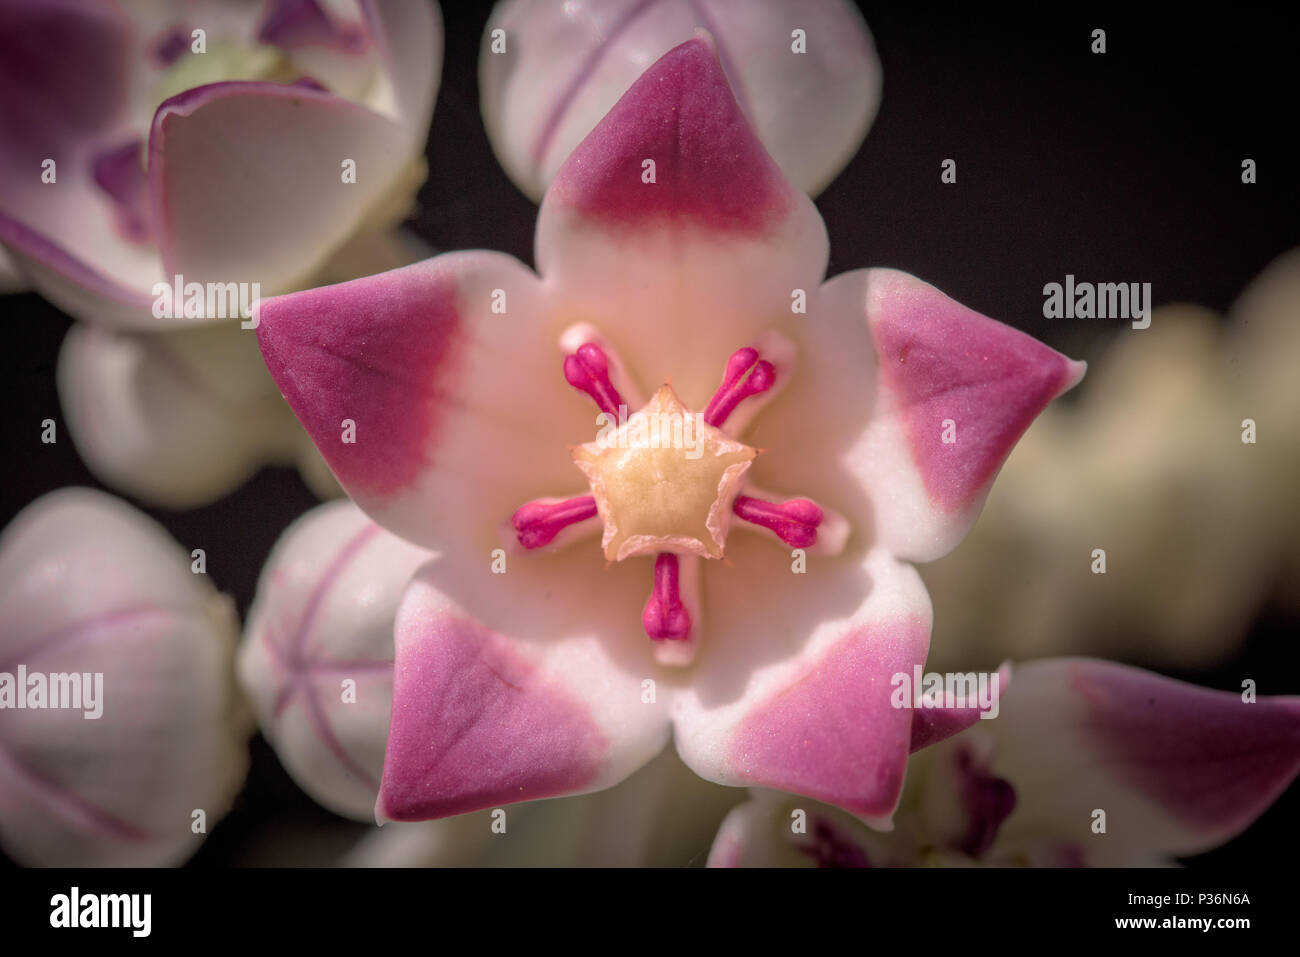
(587, 370)
(794, 522)
(537, 523)
(665, 616)
(746, 375)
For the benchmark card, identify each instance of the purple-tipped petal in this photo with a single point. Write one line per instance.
(793, 686)
(1177, 769)
(940, 360)
(932, 725)
(449, 399)
(920, 398)
(780, 830)
(483, 718)
(670, 225)
(711, 172)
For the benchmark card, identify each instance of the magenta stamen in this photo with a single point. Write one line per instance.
(537, 523)
(746, 375)
(587, 370)
(795, 522)
(665, 617)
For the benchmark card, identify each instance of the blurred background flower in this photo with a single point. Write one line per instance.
(1157, 464)
(209, 140)
(89, 586)
(1089, 764)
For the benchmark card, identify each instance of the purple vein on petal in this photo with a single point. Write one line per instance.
(300, 669)
(81, 812)
(570, 92)
(320, 721)
(82, 630)
(351, 548)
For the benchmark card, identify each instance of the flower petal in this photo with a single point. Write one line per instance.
(884, 396)
(516, 690)
(90, 585)
(284, 184)
(323, 616)
(409, 38)
(932, 725)
(1177, 769)
(460, 414)
(64, 81)
(792, 689)
(673, 232)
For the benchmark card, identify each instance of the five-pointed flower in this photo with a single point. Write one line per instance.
(676, 259)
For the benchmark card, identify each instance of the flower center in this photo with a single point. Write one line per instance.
(663, 480)
(224, 59)
(666, 481)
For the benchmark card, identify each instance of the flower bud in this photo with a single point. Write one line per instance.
(806, 75)
(122, 737)
(317, 655)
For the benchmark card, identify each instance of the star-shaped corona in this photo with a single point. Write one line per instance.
(666, 481)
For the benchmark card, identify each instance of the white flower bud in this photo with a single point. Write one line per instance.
(317, 655)
(806, 75)
(122, 737)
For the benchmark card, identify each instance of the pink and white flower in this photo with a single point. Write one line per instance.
(90, 586)
(806, 76)
(1090, 764)
(204, 140)
(670, 250)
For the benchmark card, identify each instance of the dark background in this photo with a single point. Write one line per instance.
(1117, 167)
